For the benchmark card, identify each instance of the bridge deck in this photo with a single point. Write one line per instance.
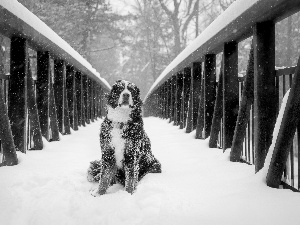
(198, 186)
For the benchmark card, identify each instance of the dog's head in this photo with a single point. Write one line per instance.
(124, 94)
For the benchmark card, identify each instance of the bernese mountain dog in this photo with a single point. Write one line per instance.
(125, 147)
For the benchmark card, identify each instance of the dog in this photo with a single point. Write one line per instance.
(125, 147)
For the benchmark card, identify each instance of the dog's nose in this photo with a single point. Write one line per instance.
(126, 96)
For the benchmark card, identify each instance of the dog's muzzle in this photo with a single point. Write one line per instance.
(125, 100)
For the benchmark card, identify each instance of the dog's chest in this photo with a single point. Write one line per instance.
(118, 143)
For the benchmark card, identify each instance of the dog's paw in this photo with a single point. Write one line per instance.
(96, 192)
(90, 177)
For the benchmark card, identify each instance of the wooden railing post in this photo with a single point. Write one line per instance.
(78, 97)
(42, 89)
(166, 94)
(201, 110)
(286, 133)
(173, 98)
(35, 141)
(209, 91)
(59, 69)
(218, 112)
(244, 112)
(17, 99)
(185, 95)
(102, 109)
(171, 95)
(265, 102)
(97, 97)
(230, 92)
(60, 93)
(168, 106)
(88, 108)
(75, 103)
(70, 93)
(85, 98)
(6, 137)
(92, 100)
(195, 87)
(197, 76)
(179, 86)
(53, 126)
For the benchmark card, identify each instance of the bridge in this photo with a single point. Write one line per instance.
(225, 178)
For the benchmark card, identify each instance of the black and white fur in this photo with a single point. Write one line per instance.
(125, 146)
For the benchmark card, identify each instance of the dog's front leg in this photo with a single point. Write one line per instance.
(131, 178)
(107, 172)
(131, 167)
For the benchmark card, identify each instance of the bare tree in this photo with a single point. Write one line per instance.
(180, 13)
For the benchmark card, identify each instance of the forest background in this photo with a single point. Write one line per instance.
(136, 39)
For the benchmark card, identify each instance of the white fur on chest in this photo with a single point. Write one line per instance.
(118, 115)
(118, 143)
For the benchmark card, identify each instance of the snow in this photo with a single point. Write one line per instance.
(29, 18)
(235, 10)
(198, 185)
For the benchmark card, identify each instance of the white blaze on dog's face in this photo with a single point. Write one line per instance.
(123, 98)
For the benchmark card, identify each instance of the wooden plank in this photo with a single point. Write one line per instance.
(289, 123)
(244, 111)
(209, 91)
(285, 71)
(265, 101)
(230, 92)
(3, 77)
(16, 97)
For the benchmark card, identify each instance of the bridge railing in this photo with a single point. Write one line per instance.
(50, 87)
(237, 113)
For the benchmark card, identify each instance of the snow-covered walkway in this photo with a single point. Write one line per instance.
(198, 186)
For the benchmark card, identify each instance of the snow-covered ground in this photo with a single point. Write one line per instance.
(198, 185)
